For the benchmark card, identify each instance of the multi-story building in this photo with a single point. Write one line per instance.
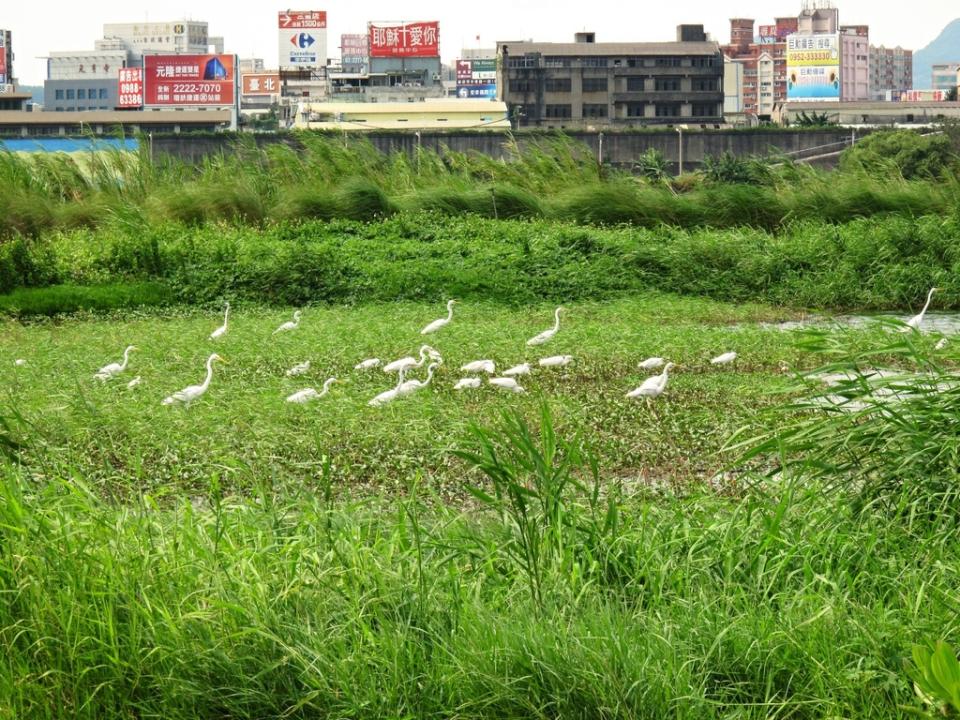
(87, 79)
(585, 83)
(764, 61)
(891, 72)
(944, 76)
(6, 61)
(854, 63)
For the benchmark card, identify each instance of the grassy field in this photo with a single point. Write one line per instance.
(248, 558)
(242, 433)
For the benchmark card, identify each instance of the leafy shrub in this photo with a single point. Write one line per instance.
(61, 299)
(906, 152)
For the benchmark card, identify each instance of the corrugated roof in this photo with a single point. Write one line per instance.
(446, 106)
(612, 49)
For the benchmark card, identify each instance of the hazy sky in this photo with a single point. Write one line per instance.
(41, 26)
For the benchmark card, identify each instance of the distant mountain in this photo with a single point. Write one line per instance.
(946, 48)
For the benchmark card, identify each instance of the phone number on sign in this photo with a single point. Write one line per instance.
(197, 88)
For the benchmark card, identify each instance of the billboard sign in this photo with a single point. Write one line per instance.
(477, 92)
(260, 84)
(419, 39)
(354, 49)
(189, 80)
(3, 56)
(768, 34)
(923, 96)
(302, 38)
(813, 68)
(130, 88)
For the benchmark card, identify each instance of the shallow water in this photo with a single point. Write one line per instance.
(946, 323)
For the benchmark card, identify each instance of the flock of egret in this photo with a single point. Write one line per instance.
(651, 388)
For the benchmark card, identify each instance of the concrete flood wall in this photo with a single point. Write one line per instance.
(620, 149)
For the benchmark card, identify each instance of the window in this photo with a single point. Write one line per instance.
(556, 62)
(558, 111)
(71, 95)
(521, 86)
(668, 109)
(521, 62)
(704, 84)
(81, 94)
(59, 94)
(59, 109)
(636, 110)
(636, 84)
(702, 61)
(667, 84)
(594, 84)
(668, 62)
(595, 62)
(557, 85)
(594, 110)
(103, 93)
(704, 110)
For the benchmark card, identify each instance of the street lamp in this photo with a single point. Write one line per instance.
(680, 150)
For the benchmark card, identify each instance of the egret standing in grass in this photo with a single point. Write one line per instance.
(391, 394)
(368, 364)
(506, 383)
(653, 387)
(470, 383)
(411, 386)
(299, 369)
(917, 320)
(547, 334)
(192, 392)
(290, 324)
(222, 330)
(652, 363)
(19, 362)
(408, 363)
(725, 359)
(479, 366)
(114, 369)
(516, 370)
(437, 324)
(556, 361)
(306, 395)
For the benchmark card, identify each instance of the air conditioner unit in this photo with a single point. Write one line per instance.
(436, 76)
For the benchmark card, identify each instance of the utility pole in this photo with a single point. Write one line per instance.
(680, 151)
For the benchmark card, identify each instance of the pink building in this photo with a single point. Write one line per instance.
(854, 63)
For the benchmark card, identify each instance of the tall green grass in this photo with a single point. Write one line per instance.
(875, 263)
(326, 177)
(299, 605)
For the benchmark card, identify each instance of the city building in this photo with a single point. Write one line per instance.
(26, 124)
(944, 76)
(854, 63)
(764, 79)
(591, 84)
(7, 82)
(441, 114)
(891, 72)
(80, 80)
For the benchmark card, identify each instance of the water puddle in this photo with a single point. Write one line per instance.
(945, 323)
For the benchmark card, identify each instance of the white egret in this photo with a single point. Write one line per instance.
(725, 359)
(192, 392)
(408, 363)
(306, 395)
(522, 369)
(19, 362)
(506, 383)
(547, 334)
(113, 369)
(367, 364)
(388, 395)
(941, 345)
(556, 361)
(479, 366)
(299, 369)
(411, 386)
(917, 320)
(654, 386)
(290, 324)
(437, 324)
(653, 363)
(133, 383)
(222, 330)
(467, 383)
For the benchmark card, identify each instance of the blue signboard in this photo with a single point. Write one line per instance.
(477, 92)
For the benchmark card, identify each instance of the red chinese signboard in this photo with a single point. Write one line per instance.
(130, 88)
(420, 39)
(260, 84)
(182, 80)
(302, 19)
